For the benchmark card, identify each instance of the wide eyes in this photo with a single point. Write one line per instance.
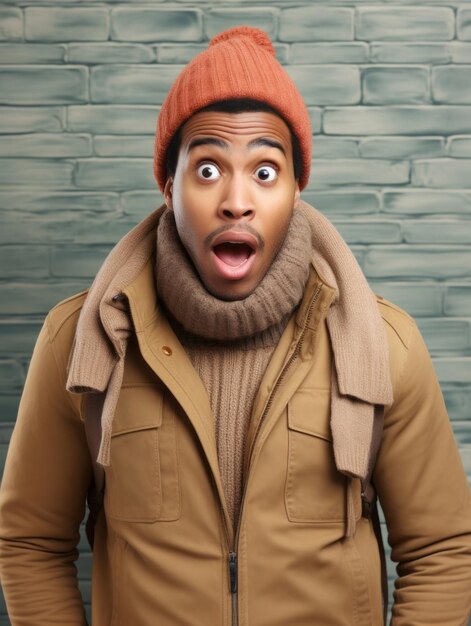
(265, 173)
(208, 171)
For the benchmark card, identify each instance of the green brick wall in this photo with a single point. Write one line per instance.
(388, 86)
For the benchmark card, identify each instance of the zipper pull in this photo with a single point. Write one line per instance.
(233, 571)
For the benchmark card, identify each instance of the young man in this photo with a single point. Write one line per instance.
(231, 370)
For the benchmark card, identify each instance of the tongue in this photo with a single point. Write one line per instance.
(233, 254)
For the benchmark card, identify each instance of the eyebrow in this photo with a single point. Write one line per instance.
(219, 143)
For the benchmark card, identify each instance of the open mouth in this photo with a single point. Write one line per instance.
(233, 253)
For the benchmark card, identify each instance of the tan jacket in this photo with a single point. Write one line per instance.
(165, 548)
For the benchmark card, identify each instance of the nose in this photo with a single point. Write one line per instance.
(236, 202)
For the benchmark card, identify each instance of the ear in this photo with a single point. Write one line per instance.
(297, 192)
(168, 192)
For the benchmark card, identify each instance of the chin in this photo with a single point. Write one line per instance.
(230, 295)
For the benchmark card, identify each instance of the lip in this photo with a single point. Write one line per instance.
(236, 236)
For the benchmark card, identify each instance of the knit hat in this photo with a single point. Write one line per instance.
(238, 63)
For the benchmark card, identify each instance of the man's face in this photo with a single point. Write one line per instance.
(232, 195)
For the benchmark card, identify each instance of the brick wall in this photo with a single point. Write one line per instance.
(388, 86)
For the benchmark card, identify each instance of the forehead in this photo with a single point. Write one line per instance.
(236, 127)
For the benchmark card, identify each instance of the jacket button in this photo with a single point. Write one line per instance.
(167, 350)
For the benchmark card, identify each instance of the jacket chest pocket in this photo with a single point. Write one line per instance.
(315, 491)
(142, 480)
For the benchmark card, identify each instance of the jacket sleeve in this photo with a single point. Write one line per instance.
(426, 500)
(42, 498)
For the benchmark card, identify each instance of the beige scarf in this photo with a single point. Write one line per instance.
(361, 384)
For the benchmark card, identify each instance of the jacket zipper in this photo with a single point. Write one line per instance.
(233, 585)
(232, 563)
(232, 560)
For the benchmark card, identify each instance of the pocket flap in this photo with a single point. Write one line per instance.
(309, 412)
(139, 408)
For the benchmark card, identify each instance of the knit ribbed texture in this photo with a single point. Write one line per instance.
(232, 376)
(96, 361)
(238, 63)
(230, 342)
(360, 378)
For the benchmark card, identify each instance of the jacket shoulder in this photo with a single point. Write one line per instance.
(65, 313)
(60, 325)
(397, 320)
(400, 329)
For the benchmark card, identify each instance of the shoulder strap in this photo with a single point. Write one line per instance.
(370, 504)
(382, 556)
(92, 407)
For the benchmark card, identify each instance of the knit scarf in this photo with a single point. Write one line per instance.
(361, 384)
(272, 301)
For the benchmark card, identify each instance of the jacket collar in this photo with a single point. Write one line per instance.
(142, 297)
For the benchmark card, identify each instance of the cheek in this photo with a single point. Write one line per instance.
(280, 234)
(278, 225)
(186, 230)
(189, 226)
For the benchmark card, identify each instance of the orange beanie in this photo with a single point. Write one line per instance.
(238, 63)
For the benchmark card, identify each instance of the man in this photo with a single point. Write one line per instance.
(231, 370)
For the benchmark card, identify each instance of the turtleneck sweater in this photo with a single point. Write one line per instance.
(230, 342)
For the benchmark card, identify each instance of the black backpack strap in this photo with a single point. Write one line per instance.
(382, 556)
(92, 408)
(369, 504)
(370, 511)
